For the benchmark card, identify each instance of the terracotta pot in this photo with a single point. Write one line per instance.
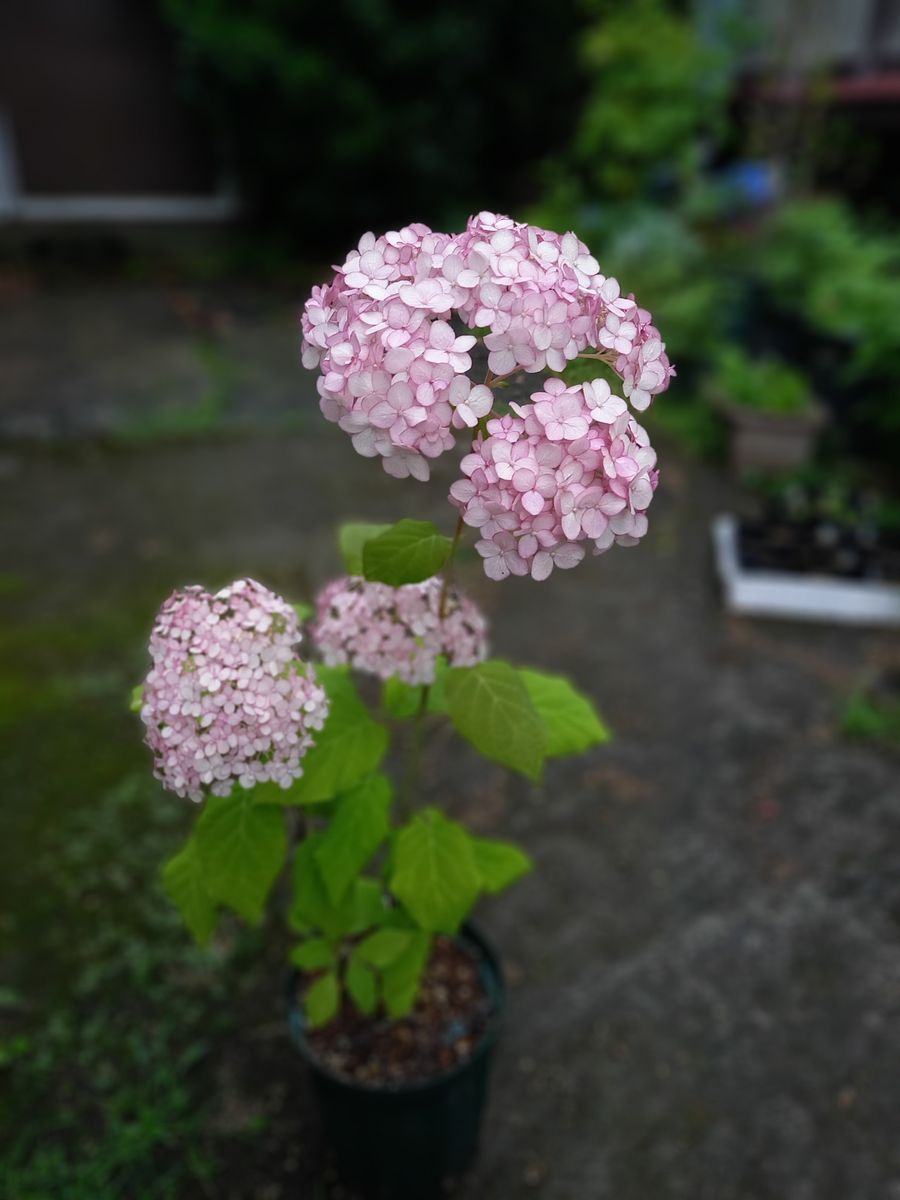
(765, 441)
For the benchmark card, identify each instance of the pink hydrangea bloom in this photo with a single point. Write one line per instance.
(394, 373)
(546, 300)
(569, 468)
(225, 701)
(397, 632)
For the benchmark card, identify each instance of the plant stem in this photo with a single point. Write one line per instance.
(406, 801)
(448, 568)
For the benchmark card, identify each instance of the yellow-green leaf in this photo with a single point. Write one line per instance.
(490, 706)
(356, 830)
(322, 999)
(241, 847)
(408, 552)
(351, 539)
(433, 871)
(183, 883)
(569, 717)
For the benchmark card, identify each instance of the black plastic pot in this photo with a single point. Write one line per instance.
(407, 1142)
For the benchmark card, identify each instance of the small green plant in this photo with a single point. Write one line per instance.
(766, 384)
(375, 874)
(871, 718)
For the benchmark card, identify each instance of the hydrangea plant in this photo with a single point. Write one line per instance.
(237, 719)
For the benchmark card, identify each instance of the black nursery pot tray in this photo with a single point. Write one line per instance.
(407, 1140)
(756, 581)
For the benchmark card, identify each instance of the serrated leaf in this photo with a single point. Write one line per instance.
(241, 846)
(569, 717)
(362, 985)
(408, 552)
(322, 999)
(490, 706)
(381, 948)
(499, 863)
(359, 826)
(182, 878)
(400, 981)
(351, 539)
(312, 955)
(346, 750)
(433, 871)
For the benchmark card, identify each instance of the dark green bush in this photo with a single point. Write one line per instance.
(359, 114)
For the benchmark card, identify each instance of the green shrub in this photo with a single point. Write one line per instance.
(655, 90)
(765, 383)
(819, 261)
(355, 115)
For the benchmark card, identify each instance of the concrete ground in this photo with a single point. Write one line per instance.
(705, 965)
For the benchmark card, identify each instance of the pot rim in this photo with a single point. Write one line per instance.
(492, 976)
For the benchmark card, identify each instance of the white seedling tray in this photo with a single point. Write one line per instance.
(802, 597)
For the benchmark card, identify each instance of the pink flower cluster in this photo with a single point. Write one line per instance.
(397, 632)
(224, 700)
(573, 466)
(393, 374)
(546, 301)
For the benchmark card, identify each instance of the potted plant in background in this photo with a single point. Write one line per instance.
(770, 411)
(396, 998)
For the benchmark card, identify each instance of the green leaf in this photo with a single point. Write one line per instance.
(312, 955)
(400, 699)
(273, 793)
(364, 906)
(437, 695)
(321, 1000)
(351, 539)
(569, 717)
(408, 552)
(182, 878)
(499, 863)
(136, 700)
(303, 610)
(346, 750)
(383, 947)
(433, 872)
(490, 705)
(241, 846)
(358, 828)
(311, 908)
(400, 981)
(362, 985)
(360, 909)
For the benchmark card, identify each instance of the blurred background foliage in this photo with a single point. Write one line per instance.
(366, 114)
(655, 130)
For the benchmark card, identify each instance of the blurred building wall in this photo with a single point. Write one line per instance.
(89, 115)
